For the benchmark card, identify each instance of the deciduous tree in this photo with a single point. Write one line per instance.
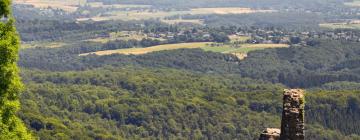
(11, 127)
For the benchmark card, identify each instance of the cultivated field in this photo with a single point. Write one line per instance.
(147, 14)
(244, 48)
(101, 5)
(194, 21)
(355, 3)
(241, 52)
(139, 51)
(66, 5)
(73, 5)
(134, 15)
(43, 45)
(226, 10)
(340, 25)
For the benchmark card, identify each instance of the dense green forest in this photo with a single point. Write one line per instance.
(184, 93)
(107, 97)
(135, 102)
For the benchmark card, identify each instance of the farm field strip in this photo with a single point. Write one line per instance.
(73, 5)
(139, 51)
(143, 15)
(240, 52)
(227, 10)
(43, 45)
(176, 21)
(245, 48)
(66, 5)
(355, 3)
(340, 25)
(134, 15)
(219, 49)
(101, 5)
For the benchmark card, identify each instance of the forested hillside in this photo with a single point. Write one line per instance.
(230, 87)
(311, 66)
(133, 103)
(297, 66)
(108, 97)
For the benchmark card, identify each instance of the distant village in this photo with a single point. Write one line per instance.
(202, 34)
(255, 35)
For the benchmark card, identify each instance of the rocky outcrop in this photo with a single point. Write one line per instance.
(270, 134)
(293, 118)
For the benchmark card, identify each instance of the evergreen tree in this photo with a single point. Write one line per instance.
(11, 127)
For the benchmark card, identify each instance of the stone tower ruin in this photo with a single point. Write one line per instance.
(293, 116)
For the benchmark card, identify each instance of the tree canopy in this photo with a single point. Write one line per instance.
(11, 127)
(5, 8)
